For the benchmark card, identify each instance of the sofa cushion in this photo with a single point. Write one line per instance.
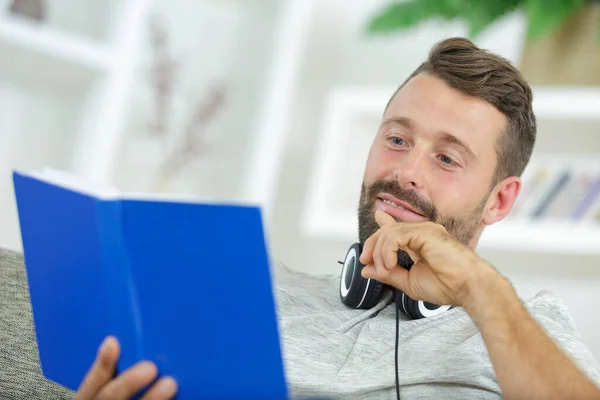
(20, 371)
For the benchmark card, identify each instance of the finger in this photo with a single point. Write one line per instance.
(377, 256)
(164, 388)
(403, 238)
(424, 241)
(399, 238)
(384, 219)
(369, 272)
(398, 278)
(101, 371)
(131, 381)
(366, 257)
(389, 250)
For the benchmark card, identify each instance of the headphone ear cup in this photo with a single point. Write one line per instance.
(372, 294)
(356, 291)
(417, 309)
(410, 307)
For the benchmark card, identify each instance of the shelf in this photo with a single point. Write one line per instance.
(555, 237)
(567, 103)
(552, 237)
(37, 54)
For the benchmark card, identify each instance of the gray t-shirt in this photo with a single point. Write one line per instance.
(329, 350)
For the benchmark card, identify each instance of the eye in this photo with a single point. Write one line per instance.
(397, 141)
(447, 161)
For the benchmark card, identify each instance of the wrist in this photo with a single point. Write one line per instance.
(484, 288)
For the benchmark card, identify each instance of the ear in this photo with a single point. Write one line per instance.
(501, 200)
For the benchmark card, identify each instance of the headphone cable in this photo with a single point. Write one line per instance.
(396, 352)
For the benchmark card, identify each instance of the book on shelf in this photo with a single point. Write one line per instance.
(586, 204)
(185, 284)
(559, 190)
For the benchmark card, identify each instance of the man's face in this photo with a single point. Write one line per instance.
(434, 157)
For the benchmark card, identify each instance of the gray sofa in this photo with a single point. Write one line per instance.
(20, 372)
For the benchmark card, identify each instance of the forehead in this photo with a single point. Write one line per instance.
(437, 109)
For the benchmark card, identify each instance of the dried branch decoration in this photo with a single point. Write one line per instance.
(163, 77)
(192, 143)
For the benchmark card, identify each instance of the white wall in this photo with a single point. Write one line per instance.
(35, 130)
(340, 55)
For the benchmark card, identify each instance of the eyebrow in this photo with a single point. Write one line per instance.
(406, 122)
(451, 139)
(446, 137)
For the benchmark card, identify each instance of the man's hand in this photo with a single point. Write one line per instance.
(528, 364)
(443, 271)
(100, 383)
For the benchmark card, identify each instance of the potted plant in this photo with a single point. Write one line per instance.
(562, 46)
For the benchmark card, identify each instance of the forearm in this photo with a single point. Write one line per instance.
(527, 362)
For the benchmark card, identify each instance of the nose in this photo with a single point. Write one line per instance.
(410, 171)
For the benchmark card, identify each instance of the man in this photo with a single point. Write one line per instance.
(445, 163)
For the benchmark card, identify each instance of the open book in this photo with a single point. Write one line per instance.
(185, 284)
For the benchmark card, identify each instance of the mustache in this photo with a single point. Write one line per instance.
(408, 196)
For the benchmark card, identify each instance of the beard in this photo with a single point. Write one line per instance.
(461, 227)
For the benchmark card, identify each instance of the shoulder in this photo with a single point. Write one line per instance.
(553, 315)
(300, 293)
(551, 310)
(20, 371)
(285, 277)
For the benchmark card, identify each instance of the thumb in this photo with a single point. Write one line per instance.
(102, 370)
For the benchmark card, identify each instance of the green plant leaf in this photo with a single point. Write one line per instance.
(482, 14)
(403, 15)
(545, 15)
(478, 14)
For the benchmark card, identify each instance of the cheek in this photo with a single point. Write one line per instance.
(380, 164)
(457, 195)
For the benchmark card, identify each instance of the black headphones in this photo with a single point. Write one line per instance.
(358, 292)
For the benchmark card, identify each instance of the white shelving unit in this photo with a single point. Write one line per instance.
(572, 238)
(23, 36)
(70, 90)
(352, 116)
(267, 154)
(64, 92)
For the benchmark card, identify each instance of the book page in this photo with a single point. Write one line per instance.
(76, 183)
(108, 192)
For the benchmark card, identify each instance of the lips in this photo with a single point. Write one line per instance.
(398, 209)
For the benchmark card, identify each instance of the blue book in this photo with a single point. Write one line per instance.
(186, 284)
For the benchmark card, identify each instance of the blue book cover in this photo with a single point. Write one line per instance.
(184, 284)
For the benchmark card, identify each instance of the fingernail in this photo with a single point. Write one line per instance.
(146, 368)
(104, 345)
(167, 386)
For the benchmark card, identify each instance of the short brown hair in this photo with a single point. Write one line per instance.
(478, 73)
